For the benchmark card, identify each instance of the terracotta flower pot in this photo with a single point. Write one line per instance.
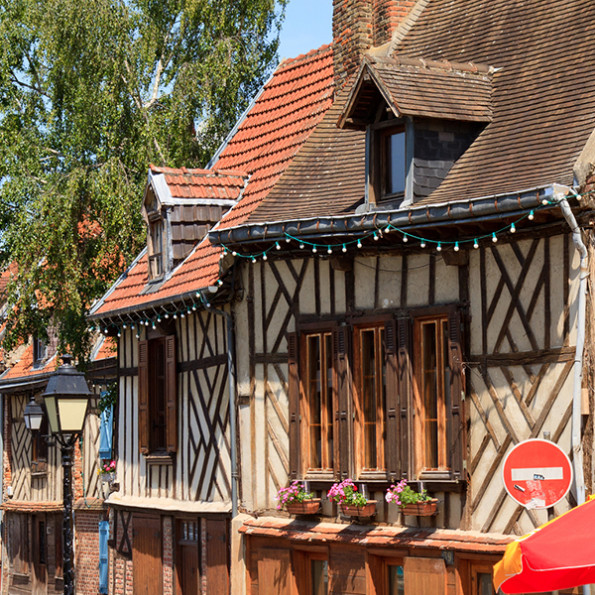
(427, 508)
(306, 507)
(367, 510)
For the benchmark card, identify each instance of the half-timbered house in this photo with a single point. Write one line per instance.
(414, 295)
(32, 486)
(172, 314)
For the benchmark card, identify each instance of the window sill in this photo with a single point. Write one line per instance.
(159, 459)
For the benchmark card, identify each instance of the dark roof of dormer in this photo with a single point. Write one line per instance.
(422, 88)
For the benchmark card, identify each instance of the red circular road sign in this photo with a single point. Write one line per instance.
(537, 473)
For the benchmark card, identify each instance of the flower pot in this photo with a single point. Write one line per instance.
(367, 510)
(426, 508)
(107, 477)
(306, 507)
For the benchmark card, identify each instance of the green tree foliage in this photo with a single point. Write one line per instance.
(91, 93)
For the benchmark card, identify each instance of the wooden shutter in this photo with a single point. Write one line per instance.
(424, 576)
(404, 378)
(343, 414)
(106, 432)
(391, 442)
(143, 396)
(456, 423)
(171, 394)
(294, 405)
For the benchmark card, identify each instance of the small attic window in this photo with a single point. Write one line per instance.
(389, 162)
(155, 247)
(394, 169)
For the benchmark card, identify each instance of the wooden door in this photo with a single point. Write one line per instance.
(146, 556)
(424, 576)
(188, 573)
(274, 572)
(217, 563)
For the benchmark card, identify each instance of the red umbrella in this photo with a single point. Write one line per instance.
(557, 555)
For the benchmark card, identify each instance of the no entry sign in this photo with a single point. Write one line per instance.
(537, 473)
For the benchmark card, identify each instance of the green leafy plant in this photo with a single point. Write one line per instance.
(109, 397)
(402, 494)
(346, 492)
(295, 492)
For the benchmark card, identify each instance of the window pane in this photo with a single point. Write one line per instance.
(319, 572)
(395, 163)
(430, 395)
(369, 397)
(157, 392)
(314, 400)
(329, 400)
(484, 584)
(396, 580)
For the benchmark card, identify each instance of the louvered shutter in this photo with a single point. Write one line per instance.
(294, 405)
(171, 396)
(343, 414)
(456, 422)
(391, 441)
(404, 378)
(103, 557)
(143, 396)
(106, 432)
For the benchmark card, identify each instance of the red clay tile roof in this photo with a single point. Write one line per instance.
(24, 368)
(186, 184)
(27, 506)
(265, 142)
(427, 538)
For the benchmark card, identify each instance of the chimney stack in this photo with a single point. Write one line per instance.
(359, 25)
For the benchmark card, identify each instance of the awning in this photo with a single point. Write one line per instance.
(557, 555)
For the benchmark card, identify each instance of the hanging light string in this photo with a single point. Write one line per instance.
(177, 310)
(377, 234)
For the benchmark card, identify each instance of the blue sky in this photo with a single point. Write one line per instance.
(307, 25)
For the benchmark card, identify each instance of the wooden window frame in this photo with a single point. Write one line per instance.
(450, 414)
(378, 159)
(377, 327)
(328, 398)
(155, 247)
(168, 399)
(39, 448)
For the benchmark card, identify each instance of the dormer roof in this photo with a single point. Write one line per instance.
(421, 88)
(182, 186)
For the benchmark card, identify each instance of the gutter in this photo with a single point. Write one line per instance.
(477, 209)
(560, 193)
(232, 398)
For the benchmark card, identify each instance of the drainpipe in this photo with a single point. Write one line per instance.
(232, 398)
(560, 193)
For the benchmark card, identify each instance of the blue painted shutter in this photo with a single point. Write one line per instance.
(106, 431)
(103, 537)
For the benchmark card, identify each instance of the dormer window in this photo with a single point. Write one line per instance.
(394, 166)
(39, 350)
(155, 247)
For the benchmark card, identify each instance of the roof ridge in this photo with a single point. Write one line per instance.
(288, 63)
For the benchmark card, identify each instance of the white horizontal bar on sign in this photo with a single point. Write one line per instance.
(536, 473)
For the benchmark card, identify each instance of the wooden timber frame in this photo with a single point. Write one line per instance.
(517, 301)
(170, 519)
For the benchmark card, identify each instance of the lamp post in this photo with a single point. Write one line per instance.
(65, 401)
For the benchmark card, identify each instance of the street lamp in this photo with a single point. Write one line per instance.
(65, 401)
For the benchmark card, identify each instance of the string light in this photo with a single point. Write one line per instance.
(328, 248)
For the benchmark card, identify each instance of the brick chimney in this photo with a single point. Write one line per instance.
(359, 25)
